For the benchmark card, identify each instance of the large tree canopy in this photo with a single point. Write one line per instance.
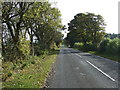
(29, 27)
(87, 28)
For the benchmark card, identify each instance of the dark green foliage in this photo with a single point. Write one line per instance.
(13, 29)
(110, 46)
(23, 65)
(39, 51)
(9, 74)
(102, 46)
(78, 46)
(32, 62)
(14, 66)
(29, 28)
(112, 36)
(58, 38)
(87, 47)
(86, 28)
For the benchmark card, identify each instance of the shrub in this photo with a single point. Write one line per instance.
(20, 50)
(112, 47)
(41, 52)
(102, 46)
(14, 66)
(9, 74)
(32, 62)
(24, 47)
(44, 52)
(118, 46)
(23, 65)
(78, 45)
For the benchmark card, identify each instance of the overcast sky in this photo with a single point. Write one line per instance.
(107, 8)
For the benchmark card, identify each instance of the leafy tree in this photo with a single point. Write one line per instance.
(58, 38)
(86, 28)
(112, 36)
(12, 16)
(46, 22)
(29, 27)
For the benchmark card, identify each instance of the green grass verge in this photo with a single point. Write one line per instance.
(109, 56)
(105, 55)
(32, 75)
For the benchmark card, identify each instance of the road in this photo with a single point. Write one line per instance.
(76, 69)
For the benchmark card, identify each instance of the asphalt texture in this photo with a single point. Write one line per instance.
(76, 69)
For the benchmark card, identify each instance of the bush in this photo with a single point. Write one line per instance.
(110, 46)
(39, 50)
(23, 65)
(87, 47)
(14, 66)
(113, 45)
(44, 52)
(118, 46)
(78, 45)
(32, 62)
(14, 52)
(102, 46)
(9, 74)
(24, 47)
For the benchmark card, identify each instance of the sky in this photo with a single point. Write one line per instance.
(106, 8)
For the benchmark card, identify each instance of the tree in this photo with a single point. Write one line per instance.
(12, 16)
(58, 38)
(29, 25)
(87, 28)
(112, 36)
(46, 22)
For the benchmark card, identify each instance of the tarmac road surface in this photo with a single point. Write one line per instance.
(76, 69)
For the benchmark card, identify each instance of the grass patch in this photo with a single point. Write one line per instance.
(30, 73)
(109, 56)
(105, 55)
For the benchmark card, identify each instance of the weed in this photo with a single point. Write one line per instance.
(9, 74)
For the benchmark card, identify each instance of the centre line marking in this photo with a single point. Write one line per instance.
(78, 55)
(101, 71)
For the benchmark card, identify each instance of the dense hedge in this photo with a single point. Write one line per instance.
(110, 46)
(103, 45)
(78, 45)
(87, 47)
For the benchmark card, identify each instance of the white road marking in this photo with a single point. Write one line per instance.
(77, 68)
(79, 55)
(82, 74)
(98, 69)
(101, 71)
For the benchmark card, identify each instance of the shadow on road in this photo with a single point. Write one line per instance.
(54, 52)
(64, 51)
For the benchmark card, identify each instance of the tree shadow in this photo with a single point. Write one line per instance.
(68, 52)
(53, 52)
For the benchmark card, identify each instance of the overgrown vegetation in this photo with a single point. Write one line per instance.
(109, 48)
(30, 33)
(29, 28)
(30, 73)
(87, 33)
(87, 28)
(112, 36)
(106, 55)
